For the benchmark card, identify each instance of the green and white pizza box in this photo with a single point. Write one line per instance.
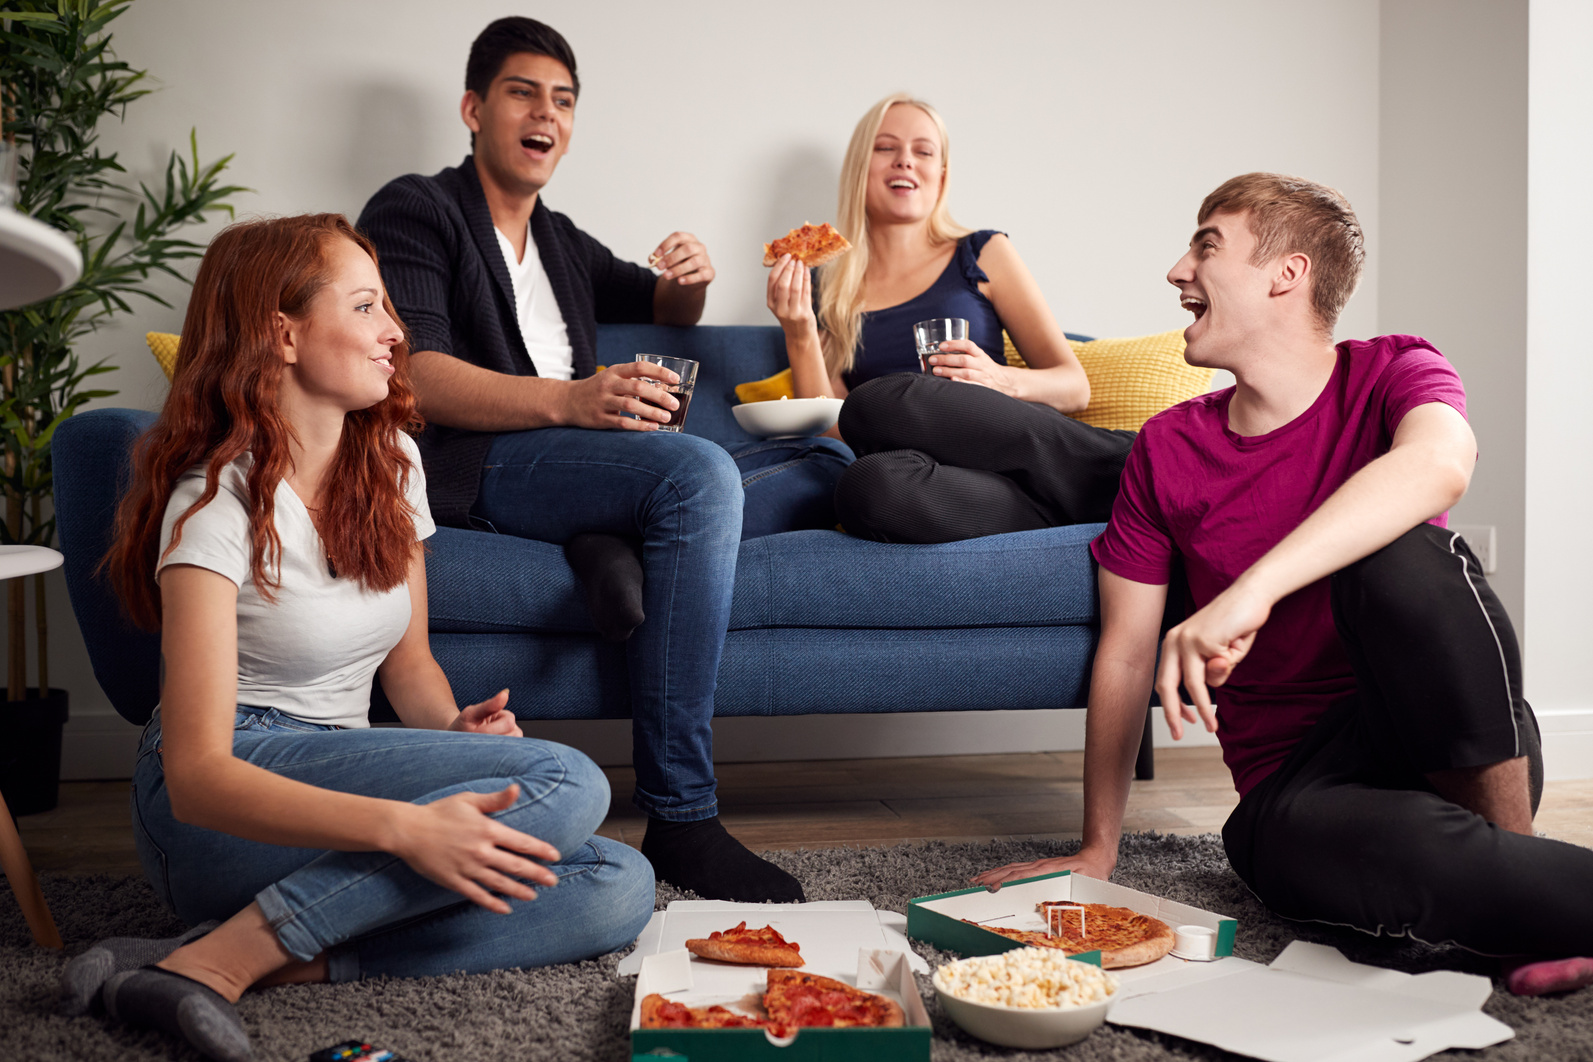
(847, 940)
(938, 919)
(1311, 1004)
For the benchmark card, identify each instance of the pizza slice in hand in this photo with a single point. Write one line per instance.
(812, 245)
(748, 947)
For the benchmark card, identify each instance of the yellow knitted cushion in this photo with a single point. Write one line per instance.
(164, 346)
(775, 387)
(1132, 380)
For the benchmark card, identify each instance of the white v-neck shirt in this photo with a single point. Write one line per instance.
(312, 653)
(542, 327)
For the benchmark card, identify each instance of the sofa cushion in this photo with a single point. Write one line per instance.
(1132, 380)
(480, 582)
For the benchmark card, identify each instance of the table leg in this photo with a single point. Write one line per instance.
(24, 883)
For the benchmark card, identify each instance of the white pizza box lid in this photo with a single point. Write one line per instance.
(1311, 1004)
(938, 919)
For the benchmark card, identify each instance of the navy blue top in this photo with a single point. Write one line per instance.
(885, 342)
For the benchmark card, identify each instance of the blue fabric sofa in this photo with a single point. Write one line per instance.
(821, 622)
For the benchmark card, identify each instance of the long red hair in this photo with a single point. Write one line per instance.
(223, 404)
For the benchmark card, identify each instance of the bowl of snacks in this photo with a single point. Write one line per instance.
(1027, 997)
(788, 418)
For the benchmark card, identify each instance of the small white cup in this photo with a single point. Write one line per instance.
(1195, 943)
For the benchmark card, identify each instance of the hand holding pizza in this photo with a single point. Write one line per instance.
(961, 359)
(683, 259)
(790, 296)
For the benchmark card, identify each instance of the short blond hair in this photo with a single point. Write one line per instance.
(1290, 215)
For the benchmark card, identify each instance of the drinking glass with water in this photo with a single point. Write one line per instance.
(929, 335)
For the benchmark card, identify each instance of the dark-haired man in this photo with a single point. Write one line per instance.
(1366, 680)
(502, 297)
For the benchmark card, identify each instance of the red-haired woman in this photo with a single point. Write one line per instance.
(273, 534)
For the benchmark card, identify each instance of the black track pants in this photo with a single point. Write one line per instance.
(1349, 831)
(940, 461)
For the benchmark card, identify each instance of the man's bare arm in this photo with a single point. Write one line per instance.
(1424, 473)
(1120, 685)
(456, 394)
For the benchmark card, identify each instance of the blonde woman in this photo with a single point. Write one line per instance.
(938, 459)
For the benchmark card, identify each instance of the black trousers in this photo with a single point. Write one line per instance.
(940, 461)
(1349, 831)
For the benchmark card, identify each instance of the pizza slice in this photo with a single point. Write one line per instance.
(812, 245)
(660, 1013)
(1124, 937)
(749, 947)
(803, 1000)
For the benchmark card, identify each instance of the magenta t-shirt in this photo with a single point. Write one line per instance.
(1195, 489)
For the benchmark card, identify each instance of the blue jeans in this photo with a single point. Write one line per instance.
(789, 484)
(369, 911)
(682, 496)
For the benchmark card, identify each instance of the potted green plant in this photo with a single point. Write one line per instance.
(58, 80)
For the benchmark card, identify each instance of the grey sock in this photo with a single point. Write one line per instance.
(85, 975)
(179, 1005)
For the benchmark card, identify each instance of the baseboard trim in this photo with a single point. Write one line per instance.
(1567, 742)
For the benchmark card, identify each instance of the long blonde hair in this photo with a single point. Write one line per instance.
(841, 282)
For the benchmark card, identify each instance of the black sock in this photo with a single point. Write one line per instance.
(702, 857)
(611, 572)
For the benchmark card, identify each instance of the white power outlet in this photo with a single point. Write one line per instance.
(1483, 540)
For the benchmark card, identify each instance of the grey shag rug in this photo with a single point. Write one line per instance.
(580, 1012)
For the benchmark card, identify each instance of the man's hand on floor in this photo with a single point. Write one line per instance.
(1091, 862)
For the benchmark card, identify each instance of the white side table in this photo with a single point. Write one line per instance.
(16, 561)
(36, 261)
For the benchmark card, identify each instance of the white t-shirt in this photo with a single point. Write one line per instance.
(313, 652)
(547, 340)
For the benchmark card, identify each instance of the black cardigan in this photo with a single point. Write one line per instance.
(449, 283)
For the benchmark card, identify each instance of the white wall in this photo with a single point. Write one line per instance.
(1453, 247)
(1089, 131)
(1559, 381)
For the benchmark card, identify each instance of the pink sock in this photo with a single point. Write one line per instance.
(1554, 975)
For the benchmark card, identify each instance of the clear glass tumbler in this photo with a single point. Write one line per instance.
(929, 335)
(686, 369)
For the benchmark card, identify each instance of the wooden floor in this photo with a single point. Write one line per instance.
(832, 803)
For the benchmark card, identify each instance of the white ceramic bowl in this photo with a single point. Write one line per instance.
(1034, 1028)
(788, 418)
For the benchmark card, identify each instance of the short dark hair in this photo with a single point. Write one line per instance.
(511, 36)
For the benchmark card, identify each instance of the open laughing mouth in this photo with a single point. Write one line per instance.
(537, 142)
(903, 183)
(1193, 305)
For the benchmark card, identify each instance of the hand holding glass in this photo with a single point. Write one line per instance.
(929, 335)
(684, 368)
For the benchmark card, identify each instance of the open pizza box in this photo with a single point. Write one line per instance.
(938, 919)
(846, 940)
(1310, 1005)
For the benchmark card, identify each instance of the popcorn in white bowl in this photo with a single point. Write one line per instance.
(1026, 997)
